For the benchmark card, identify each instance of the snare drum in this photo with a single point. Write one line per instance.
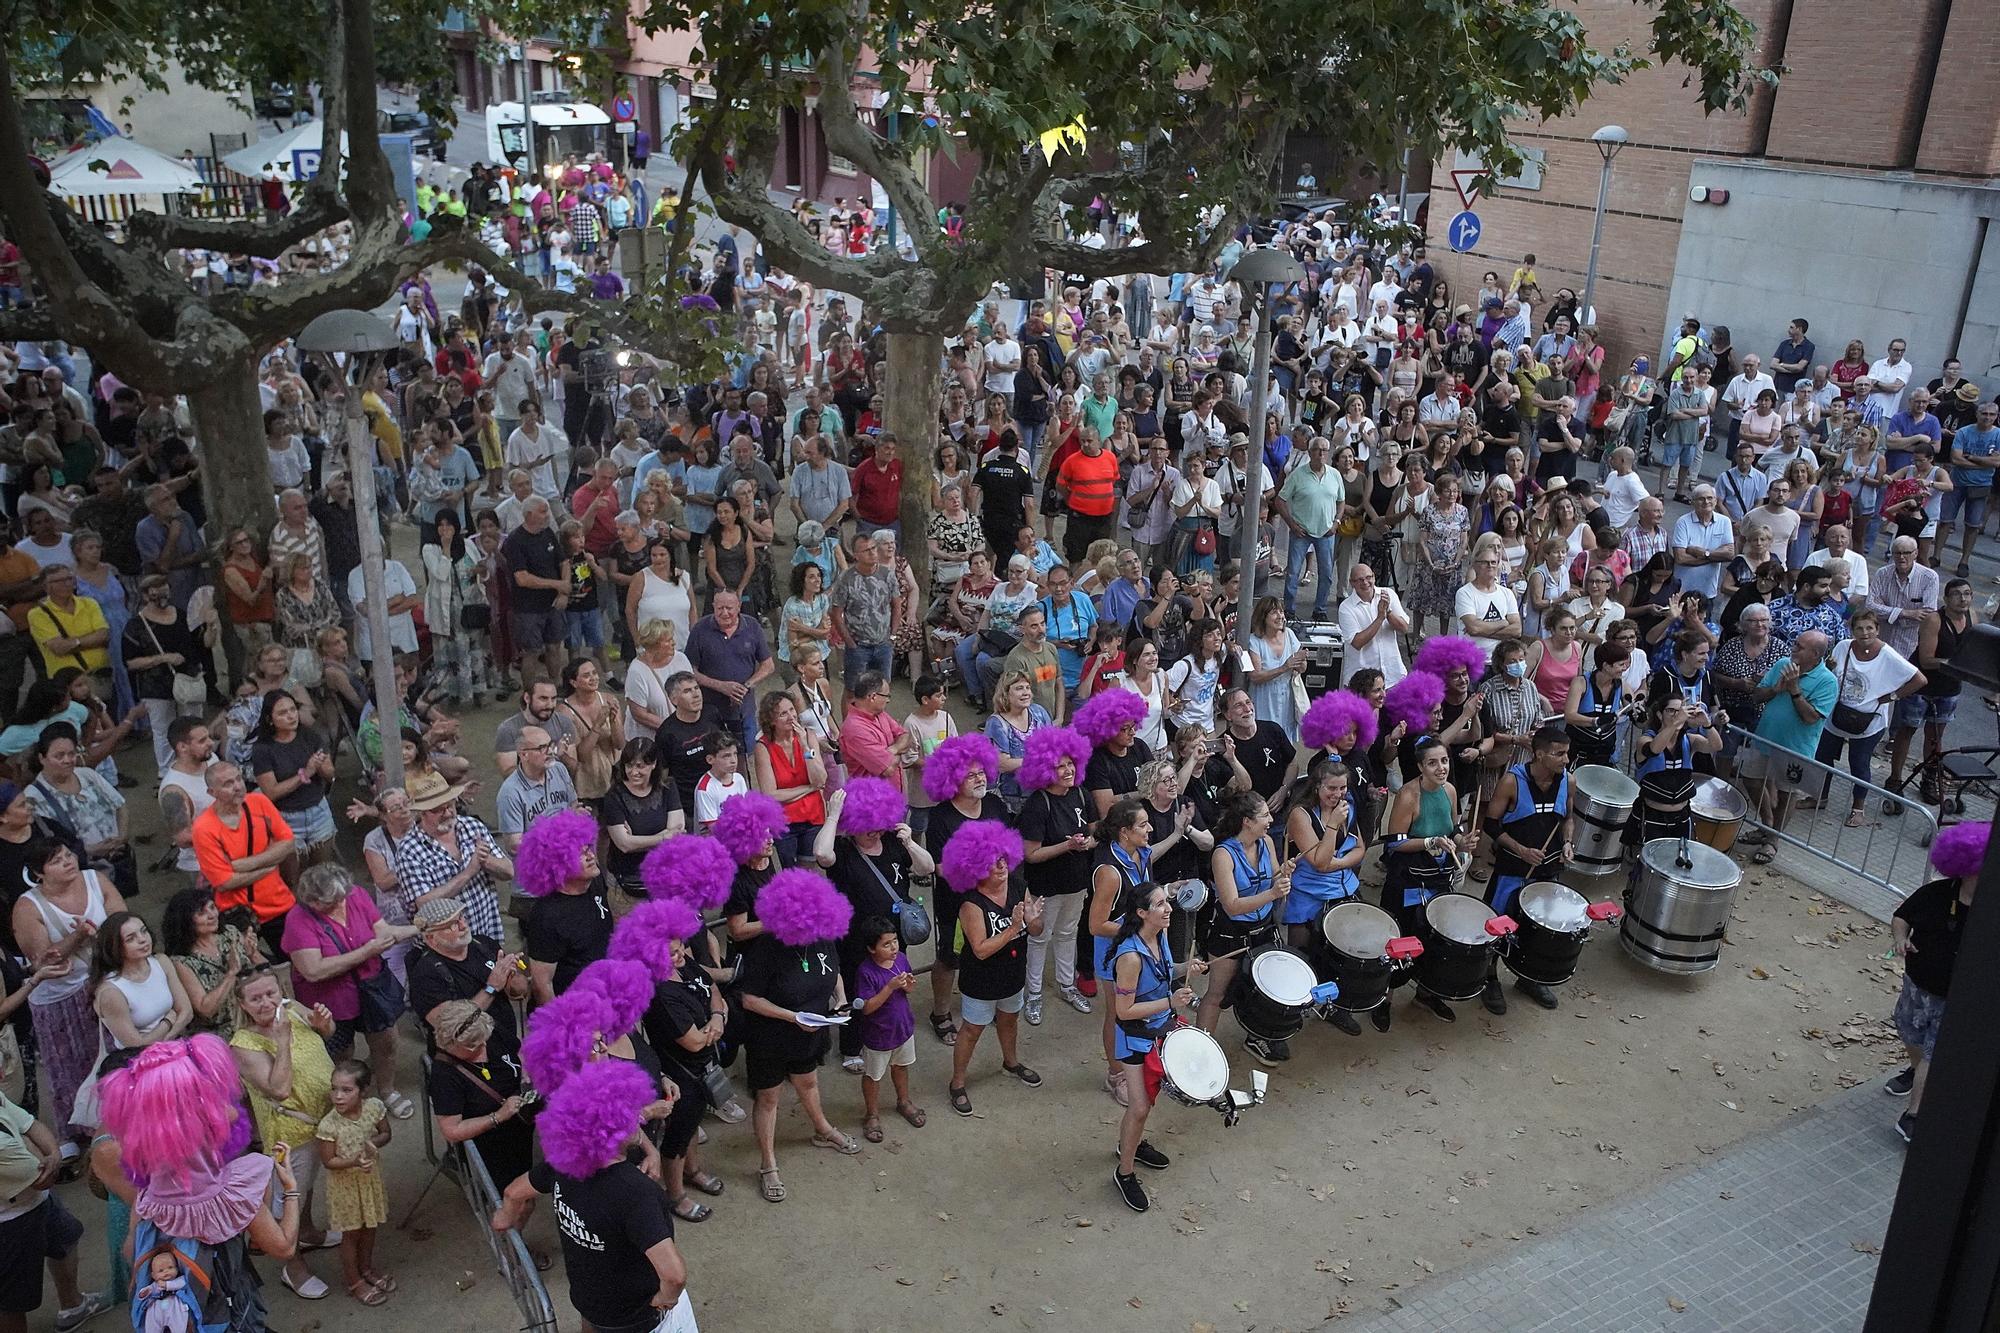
(1350, 949)
(1458, 953)
(1273, 990)
(1719, 811)
(1193, 1069)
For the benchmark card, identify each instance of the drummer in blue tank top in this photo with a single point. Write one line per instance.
(1321, 831)
(1249, 883)
(1124, 862)
(1528, 817)
(1144, 997)
(1420, 843)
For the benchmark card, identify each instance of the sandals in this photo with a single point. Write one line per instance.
(912, 1113)
(1764, 855)
(367, 1292)
(871, 1128)
(1859, 819)
(1479, 874)
(960, 1102)
(402, 1108)
(383, 1280)
(692, 1210)
(944, 1029)
(836, 1142)
(708, 1183)
(768, 1184)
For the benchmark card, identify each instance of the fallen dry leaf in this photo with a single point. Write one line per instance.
(1760, 974)
(1864, 1247)
(1676, 1304)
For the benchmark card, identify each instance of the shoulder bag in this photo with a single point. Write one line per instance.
(913, 919)
(1846, 717)
(189, 691)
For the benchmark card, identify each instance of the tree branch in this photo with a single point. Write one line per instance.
(744, 202)
(31, 324)
(846, 135)
(317, 210)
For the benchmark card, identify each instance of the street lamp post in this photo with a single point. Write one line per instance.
(1608, 140)
(365, 340)
(1258, 271)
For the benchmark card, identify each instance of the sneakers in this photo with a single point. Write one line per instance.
(1025, 1074)
(1267, 1052)
(1438, 1007)
(851, 1064)
(96, 1303)
(1382, 1016)
(1130, 1190)
(1345, 1021)
(1116, 1087)
(1493, 997)
(1148, 1156)
(1536, 991)
(1075, 1000)
(1906, 1126)
(1033, 1012)
(1900, 1085)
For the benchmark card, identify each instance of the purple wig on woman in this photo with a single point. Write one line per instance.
(801, 907)
(589, 1120)
(748, 823)
(971, 853)
(1341, 719)
(1044, 749)
(872, 805)
(1107, 713)
(552, 851)
(648, 932)
(694, 870)
(1961, 849)
(1413, 699)
(1447, 653)
(626, 985)
(946, 769)
(563, 1033)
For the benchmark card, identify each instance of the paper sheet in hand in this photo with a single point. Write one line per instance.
(821, 1020)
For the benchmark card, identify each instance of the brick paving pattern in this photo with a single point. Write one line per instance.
(1774, 1236)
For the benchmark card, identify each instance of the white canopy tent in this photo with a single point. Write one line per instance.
(120, 167)
(295, 153)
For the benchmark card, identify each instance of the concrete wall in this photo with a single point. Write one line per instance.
(1860, 256)
(177, 117)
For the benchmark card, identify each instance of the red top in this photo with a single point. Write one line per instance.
(788, 769)
(877, 490)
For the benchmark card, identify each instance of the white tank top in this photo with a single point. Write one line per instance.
(59, 924)
(148, 1001)
(194, 786)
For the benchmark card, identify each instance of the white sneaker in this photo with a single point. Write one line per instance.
(852, 1064)
(1034, 1011)
(94, 1304)
(1076, 999)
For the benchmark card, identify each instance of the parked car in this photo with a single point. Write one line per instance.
(416, 123)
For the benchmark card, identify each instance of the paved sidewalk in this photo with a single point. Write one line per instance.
(1777, 1235)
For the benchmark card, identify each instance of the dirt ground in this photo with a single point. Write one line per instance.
(1375, 1161)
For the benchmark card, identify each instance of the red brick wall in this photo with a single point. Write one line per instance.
(1962, 128)
(1846, 97)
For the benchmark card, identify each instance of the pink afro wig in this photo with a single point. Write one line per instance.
(648, 933)
(970, 853)
(801, 907)
(1045, 748)
(561, 1035)
(1108, 712)
(552, 852)
(946, 769)
(1412, 699)
(174, 1107)
(693, 870)
(1960, 849)
(626, 985)
(1340, 718)
(748, 822)
(873, 805)
(587, 1123)
(1448, 652)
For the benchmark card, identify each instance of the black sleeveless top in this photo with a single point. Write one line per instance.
(1006, 971)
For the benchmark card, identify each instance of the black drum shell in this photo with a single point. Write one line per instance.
(1259, 1014)
(1451, 970)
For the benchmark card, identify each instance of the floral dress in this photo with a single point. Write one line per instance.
(355, 1198)
(1442, 534)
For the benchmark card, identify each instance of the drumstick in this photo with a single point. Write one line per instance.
(1216, 958)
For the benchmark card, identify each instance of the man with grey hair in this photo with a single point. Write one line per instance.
(539, 785)
(819, 489)
(866, 611)
(1703, 542)
(1798, 694)
(540, 594)
(520, 489)
(744, 465)
(170, 543)
(296, 533)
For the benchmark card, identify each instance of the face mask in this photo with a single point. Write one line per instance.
(1517, 669)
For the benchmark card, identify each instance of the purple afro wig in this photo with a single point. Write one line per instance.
(589, 1120)
(872, 805)
(626, 985)
(1960, 849)
(1447, 653)
(746, 824)
(946, 769)
(801, 907)
(552, 852)
(1108, 712)
(1045, 748)
(694, 870)
(648, 933)
(1413, 699)
(1341, 719)
(561, 1035)
(970, 853)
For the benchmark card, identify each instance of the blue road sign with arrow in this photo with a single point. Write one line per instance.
(1464, 231)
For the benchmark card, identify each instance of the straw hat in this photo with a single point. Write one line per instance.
(428, 791)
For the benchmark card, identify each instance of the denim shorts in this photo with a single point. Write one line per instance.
(1679, 455)
(1918, 709)
(1919, 1015)
(1968, 500)
(311, 827)
(982, 1012)
(584, 629)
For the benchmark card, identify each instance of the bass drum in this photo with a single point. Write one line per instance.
(1602, 800)
(1457, 952)
(1555, 921)
(1350, 949)
(1194, 1070)
(1719, 811)
(1273, 990)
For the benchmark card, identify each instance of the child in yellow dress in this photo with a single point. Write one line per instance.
(351, 1138)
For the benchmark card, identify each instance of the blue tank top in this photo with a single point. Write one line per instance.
(1156, 982)
(1679, 757)
(1249, 882)
(1131, 874)
(1326, 885)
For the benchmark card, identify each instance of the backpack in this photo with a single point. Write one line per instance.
(222, 1292)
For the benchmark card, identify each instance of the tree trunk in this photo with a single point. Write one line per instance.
(910, 406)
(235, 482)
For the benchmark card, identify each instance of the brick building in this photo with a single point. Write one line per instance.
(1858, 194)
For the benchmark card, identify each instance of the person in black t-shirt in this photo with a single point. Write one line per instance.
(534, 561)
(681, 744)
(873, 871)
(996, 918)
(1113, 771)
(1252, 753)
(686, 1021)
(475, 1089)
(974, 799)
(1057, 839)
(567, 931)
(1927, 929)
(1006, 493)
(456, 965)
(640, 811)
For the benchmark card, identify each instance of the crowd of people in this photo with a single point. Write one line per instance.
(714, 834)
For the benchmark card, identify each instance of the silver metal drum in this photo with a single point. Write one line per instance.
(1601, 799)
(1676, 915)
